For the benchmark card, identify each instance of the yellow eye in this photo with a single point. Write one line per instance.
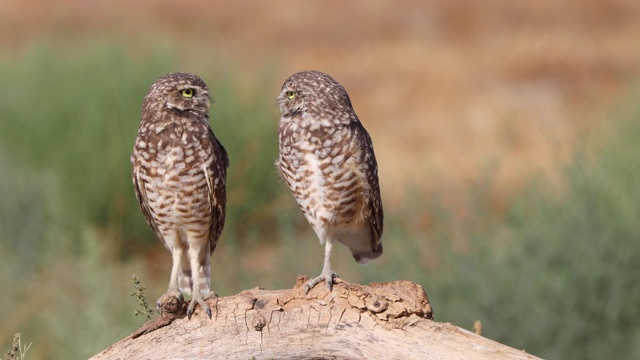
(187, 93)
(291, 95)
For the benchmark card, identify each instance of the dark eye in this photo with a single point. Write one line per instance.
(290, 95)
(187, 93)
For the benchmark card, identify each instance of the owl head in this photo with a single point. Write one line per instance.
(314, 93)
(181, 92)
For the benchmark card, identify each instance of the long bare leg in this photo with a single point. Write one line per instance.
(327, 275)
(173, 295)
(200, 268)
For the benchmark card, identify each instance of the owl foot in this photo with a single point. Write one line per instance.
(327, 277)
(199, 299)
(170, 305)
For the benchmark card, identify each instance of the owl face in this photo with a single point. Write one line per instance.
(314, 93)
(292, 98)
(182, 92)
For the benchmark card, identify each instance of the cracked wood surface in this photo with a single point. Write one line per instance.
(378, 321)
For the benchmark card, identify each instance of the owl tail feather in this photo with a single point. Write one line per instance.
(364, 244)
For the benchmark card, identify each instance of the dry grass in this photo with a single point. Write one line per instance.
(445, 87)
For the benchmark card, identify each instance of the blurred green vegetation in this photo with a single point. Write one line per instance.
(553, 274)
(562, 281)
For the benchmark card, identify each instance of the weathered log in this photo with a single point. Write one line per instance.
(378, 321)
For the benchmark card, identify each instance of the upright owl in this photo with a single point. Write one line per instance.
(327, 159)
(179, 175)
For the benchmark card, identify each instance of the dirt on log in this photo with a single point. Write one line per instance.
(391, 320)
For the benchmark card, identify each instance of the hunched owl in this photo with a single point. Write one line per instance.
(327, 160)
(179, 176)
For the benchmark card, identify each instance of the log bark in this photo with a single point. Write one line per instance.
(378, 321)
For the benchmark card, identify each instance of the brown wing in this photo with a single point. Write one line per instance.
(365, 242)
(143, 201)
(374, 212)
(216, 174)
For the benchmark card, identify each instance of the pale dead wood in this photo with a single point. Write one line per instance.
(377, 321)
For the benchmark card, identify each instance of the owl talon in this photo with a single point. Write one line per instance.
(211, 295)
(190, 309)
(328, 278)
(199, 299)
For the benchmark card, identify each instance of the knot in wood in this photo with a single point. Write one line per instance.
(376, 304)
(171, 307)
(259, 322)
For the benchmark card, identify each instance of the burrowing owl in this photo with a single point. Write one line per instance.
(179, 174)
(327, 159)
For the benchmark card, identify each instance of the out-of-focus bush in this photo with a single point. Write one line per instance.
(75, 117)
(563, 282)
